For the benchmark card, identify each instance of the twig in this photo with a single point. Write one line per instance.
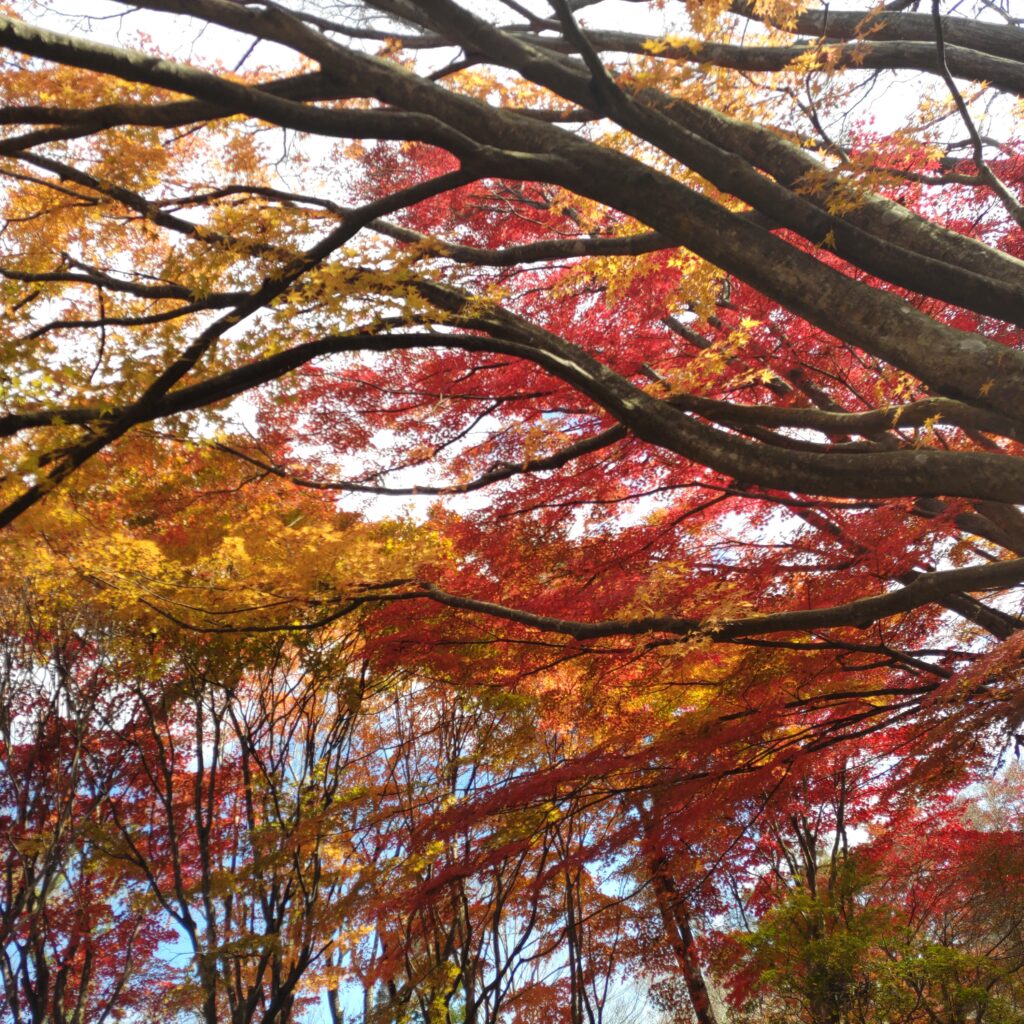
(990, 178)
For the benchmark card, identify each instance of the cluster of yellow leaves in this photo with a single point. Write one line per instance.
(158, 530)
(780, 12)
(711, 366)
(672, 42)
(93, 216)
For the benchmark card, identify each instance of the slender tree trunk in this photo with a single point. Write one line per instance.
(675, 918)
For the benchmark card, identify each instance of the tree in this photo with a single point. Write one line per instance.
(715, 289)
(734, 373)
(76, 941)
(178, 812)
(921, 922)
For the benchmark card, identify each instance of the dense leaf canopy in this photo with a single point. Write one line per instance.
(510, 476)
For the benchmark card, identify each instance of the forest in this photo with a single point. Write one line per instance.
(510, 512)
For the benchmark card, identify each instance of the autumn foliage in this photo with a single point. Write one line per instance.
(511, 515)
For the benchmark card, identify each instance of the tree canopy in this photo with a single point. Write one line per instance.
(500, 496)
